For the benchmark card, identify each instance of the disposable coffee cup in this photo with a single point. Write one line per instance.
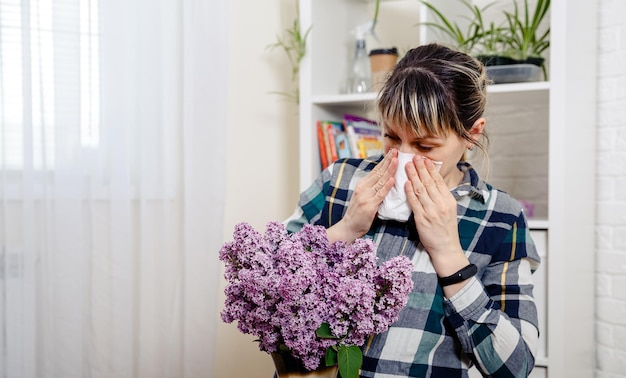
(382, 62)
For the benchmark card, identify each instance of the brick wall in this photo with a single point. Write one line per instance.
(611, 197)
(518, 149)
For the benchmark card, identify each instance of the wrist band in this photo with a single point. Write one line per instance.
(461, 275)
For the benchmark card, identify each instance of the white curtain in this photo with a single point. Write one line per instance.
(112, 146)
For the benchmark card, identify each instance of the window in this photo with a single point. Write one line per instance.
(49, 81)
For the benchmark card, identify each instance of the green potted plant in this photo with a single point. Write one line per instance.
(523, 38)
(516, 40)
(293, 44)
(469, 39)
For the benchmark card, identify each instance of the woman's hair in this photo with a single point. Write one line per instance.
(434, 90)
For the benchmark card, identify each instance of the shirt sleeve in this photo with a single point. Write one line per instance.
(494, 315)
(311, 203)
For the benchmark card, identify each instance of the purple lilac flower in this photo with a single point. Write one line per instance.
(282, 287)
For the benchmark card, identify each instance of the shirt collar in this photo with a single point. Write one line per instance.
(471, 185)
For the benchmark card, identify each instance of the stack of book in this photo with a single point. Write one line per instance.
(354, 137)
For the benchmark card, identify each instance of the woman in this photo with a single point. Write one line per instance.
(472, 303)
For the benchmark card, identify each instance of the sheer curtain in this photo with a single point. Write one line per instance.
(112, 143)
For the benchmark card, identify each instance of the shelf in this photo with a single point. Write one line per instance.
(360, 98)
(519, 87)
(541, 362)
(344, 99)
(538, 224)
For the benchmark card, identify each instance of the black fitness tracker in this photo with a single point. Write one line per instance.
(461, 275)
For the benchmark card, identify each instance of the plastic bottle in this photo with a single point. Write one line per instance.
(359, 77)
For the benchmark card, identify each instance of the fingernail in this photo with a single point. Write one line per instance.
(428, 162)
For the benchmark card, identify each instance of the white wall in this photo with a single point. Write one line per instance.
(611, 193)
(262, 161)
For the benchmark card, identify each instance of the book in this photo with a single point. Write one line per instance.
(338, 139)
(343, 145)
(321, 142)
(333, 141)
(332, 129)
(365, 136)
(354, 136)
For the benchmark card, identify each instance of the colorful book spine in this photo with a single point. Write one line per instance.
(321, 142)
(365, 136)
(330, 141)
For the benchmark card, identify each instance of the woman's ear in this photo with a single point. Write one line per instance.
(476, 131)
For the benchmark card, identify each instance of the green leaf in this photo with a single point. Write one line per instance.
(376, 9)
(330, 359)
(349, 360)
(324, 332)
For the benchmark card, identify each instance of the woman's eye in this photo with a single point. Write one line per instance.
(392, 137)
(421, 147)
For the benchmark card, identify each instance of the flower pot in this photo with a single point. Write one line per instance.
(495, 60)
(499, 60)
(514, 73)
(537, 61)
(289, 367)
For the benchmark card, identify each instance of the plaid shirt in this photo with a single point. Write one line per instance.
(490, 323)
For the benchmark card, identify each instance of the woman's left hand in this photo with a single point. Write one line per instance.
(435, 212)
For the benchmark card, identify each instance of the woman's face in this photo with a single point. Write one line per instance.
(447, 149)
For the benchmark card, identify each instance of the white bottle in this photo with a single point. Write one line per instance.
(359, 74)
(359, 78)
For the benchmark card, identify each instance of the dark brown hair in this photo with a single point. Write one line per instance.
(434, 90)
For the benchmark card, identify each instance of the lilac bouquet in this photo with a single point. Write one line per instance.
(298, 292)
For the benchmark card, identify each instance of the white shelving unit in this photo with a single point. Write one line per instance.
(542, 141)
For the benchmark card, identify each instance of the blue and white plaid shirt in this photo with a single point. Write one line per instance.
(490, 323)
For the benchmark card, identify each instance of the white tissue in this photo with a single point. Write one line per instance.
(395, 206)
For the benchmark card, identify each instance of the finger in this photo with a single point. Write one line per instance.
(413, 195)
(431, 179)
(384, 189)
(418, 176)
(380, 170)
(378, 186)
(387, 181)
(422, 192)
(422, 171)
(435, 174)
(385, 170)
(414, 188)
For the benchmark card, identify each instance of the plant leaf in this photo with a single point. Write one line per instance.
(324, 332)
(349, 360)
(376, 9)
(330, 359)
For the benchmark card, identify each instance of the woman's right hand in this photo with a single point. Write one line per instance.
(366, 198)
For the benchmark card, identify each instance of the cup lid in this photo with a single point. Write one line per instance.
(391, 50)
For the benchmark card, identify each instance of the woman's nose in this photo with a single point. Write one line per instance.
(406, 148)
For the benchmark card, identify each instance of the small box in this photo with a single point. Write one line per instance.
(514, 73)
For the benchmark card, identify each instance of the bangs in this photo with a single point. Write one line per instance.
(415, 101)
